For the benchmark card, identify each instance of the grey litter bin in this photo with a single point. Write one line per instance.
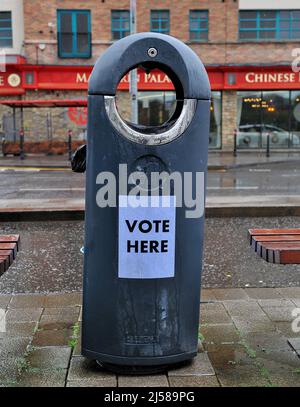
(143, 251)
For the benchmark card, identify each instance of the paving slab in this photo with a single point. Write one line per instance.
(263, 293)
(65, 317)
(50, 357)
(295, 344)
(285, 379)
(27, 301)
(290, 292)
(213, 313)
(66, 300)
(24, 315)
(20, 329)
(43, 378)
(8, 370)
(255, 324)
(285, 328)
(223, 294)
(193, 381)
(13, 347)
(100, 382)
(242, 377)
(280, 314)
(278, 360)
(85, 369)
(266, 341)
(4, 301)
(199, 366)
(296, 301)
(243, 309)
(53, 337)
(77, 349)
(143, 381)
(276, 302)
(207, 295)
(219, 334)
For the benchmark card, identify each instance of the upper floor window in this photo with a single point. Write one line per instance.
(120, 24)
(198, 25)
(269, 25)
(6, 39)
(160, 21)
(74, 33)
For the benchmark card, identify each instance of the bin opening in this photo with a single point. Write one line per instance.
(151, 109)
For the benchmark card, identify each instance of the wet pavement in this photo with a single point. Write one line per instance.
(245, 339)
(50, 259)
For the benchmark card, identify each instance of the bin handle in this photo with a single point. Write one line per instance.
(173, 132)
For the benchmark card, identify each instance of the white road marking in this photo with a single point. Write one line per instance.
(50, 189)
(254, 187)
(259, 170)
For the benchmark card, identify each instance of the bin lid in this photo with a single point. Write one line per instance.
(176, 59)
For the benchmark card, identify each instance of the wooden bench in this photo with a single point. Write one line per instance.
(9, 246)
(280, 246)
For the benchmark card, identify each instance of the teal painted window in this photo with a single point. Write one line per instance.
(160, 21)
(74, 33)
(269, 25)
(120, 24)
(198, 25)
(6, 36)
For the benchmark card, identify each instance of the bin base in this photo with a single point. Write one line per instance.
(138, 365)
(133, 370)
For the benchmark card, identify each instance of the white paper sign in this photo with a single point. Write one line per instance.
(147, 236)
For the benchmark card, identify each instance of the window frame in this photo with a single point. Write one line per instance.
(74, 32)
(120, 20)
(160, 20)
(199, 29)
(278, 30)
(11, 39)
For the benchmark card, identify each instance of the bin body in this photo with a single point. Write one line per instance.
(142, 320)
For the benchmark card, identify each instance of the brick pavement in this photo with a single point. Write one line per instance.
(246, 340)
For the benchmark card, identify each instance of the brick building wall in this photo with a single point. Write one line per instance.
(223, 46)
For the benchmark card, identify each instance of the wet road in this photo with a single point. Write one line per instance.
(50, 258)
(276, 181)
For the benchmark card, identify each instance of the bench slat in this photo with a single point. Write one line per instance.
(271, 232)
(274, 238)
(9, 246)
(5, 259)
(10, 239)
(2, 266)
(279, 252)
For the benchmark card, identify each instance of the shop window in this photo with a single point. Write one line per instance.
(269, 25)
(74, 33)
(268, 113)
(120, 24)
(295, 118)
(215, 120)
(198, 25)
(156, 108)
(6, 36)
(160, 21)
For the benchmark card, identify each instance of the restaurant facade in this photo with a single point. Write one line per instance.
(251, 55)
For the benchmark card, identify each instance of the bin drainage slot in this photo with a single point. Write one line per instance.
(151, 135)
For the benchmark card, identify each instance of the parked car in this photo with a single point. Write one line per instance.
(255, 136)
